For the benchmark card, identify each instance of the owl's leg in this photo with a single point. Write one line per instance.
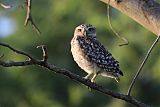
(88, 76)
(94, 77)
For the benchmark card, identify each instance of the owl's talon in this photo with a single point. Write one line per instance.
(88, 76)
(86, 79)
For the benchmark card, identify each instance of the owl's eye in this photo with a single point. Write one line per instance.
(91, 29)
(79, 30)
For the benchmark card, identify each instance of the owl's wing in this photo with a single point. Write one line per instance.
(96, 53)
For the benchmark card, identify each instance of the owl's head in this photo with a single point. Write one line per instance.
(86, 30)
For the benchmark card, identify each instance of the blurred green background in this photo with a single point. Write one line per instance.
(32, 86)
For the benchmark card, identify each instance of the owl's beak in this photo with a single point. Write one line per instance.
(84, 32)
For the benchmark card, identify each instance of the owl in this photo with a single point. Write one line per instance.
(91, 56)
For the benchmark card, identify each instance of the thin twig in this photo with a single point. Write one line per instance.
(114, 31)
(5, 6)
(29, 17)
(45, 53)
(69, 74)
(141, 66)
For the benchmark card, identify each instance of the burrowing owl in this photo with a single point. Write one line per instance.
(91, 55)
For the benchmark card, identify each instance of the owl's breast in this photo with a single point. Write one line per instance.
(80, 58)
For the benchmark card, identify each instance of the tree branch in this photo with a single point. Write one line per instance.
(126, 42)
(5, 6)
(29, 17)
(145, 12)
(17, 51)
(53, 68)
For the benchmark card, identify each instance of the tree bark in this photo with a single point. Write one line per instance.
(145, 12)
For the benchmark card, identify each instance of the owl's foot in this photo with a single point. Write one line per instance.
(89, 76)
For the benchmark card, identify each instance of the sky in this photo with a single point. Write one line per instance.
(7, 26)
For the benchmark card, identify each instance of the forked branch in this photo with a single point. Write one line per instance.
(51, 67)
(29, 17)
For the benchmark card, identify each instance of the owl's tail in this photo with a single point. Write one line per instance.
(120, 72)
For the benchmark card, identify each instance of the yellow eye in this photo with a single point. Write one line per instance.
(79, 30)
